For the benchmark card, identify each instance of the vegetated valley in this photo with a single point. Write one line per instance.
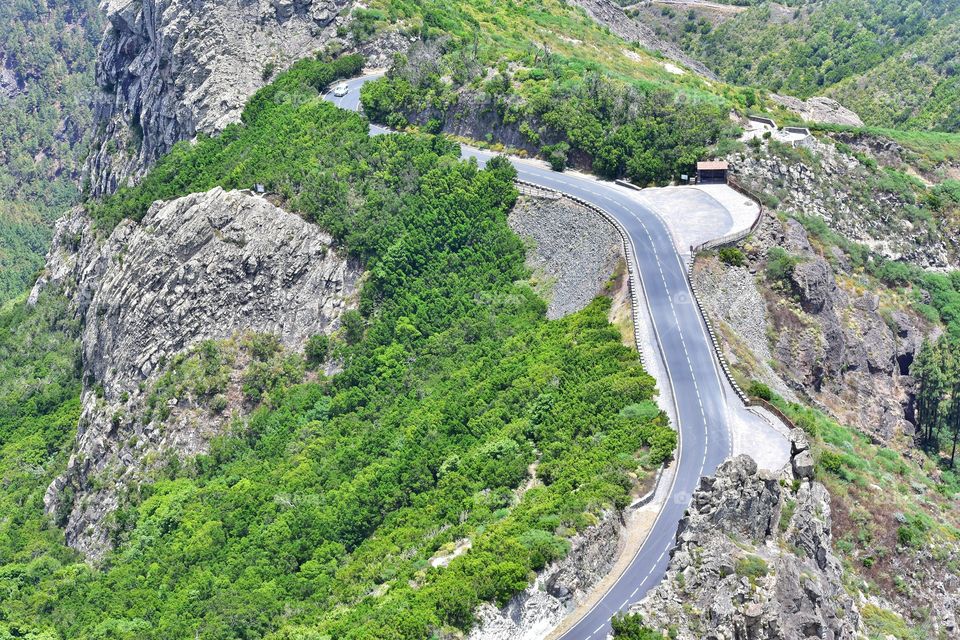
(279, 378)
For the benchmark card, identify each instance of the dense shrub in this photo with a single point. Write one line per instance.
(644, 133)
(760, 390)
(732, 256)
(460, 413)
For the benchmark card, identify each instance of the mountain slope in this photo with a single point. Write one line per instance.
(458, 416)
(895, 59)
(47, 53)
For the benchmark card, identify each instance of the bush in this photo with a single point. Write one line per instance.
(732, 256)
(760, 390)
(557, 155)
(316, 349)
(352, 326)
(831, 462)
(629, 626)
(780, 265)
(913, 533)
(752, 567)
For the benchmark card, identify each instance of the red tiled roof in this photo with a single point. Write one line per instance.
(711, 165)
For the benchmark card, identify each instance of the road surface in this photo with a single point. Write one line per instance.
(700, 394)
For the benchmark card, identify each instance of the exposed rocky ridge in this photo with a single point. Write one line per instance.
(10, 84)
(612, 16)
(574, 252)
(819, 109)
(754, 560)
(169, 69)
(557, 590)
(828, 342)
(821, 181)
(206, 266)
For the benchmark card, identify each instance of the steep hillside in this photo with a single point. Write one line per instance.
(364, 473)
(838, 337)
(892, 59)
(47, 53)
(169, 70)
(918, 87)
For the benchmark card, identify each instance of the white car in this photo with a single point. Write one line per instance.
(341, 90)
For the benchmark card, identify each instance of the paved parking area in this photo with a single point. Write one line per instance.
(699, 213)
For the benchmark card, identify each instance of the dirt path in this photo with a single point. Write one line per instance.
(731, 9)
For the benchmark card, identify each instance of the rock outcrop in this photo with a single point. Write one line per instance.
(819, 109)
(822, 181)
(170, 69)
(561, 586)
(573, 254)
(754, 560)
(207, 266)
(828, 343)
(612, 16)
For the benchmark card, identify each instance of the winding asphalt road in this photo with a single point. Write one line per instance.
(699, 394)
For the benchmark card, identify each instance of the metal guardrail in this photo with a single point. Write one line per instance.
(714, 341)
(536, 191)
(632, 279)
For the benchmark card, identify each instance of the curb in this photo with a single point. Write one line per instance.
(552, 194)
(648, 497)
(718, 351)
(634, 295)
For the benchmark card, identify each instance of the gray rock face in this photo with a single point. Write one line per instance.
(829, 344)
(562, 585)
(169, 69)
(825, 183)
(206, 266)
(819, 109)
(10, 85)
(611, 15)
(740, 570)
(574, 251)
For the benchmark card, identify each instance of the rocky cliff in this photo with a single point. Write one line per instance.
(612, 16)
(170, 69)
(754, 560)
(561, 586)
(208, 266)
(824, 180)
(816, 334)
(572, 251)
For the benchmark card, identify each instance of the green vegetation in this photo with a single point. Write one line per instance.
(539, 35)
(46, 80)
(937, 371)
(24, 236)
(751, 567)
(732, 256)
(644, 133)
(759, 390)
(780, 265)
(881, 623)
(39, 409)
(886, 509)
(894, 62)
(460, 413)
(304, 166)
(630, 627)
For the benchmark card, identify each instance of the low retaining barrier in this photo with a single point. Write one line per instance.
(714, 341)
(760, 402)
(736, 236)
(624, 240)
(536, 191)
